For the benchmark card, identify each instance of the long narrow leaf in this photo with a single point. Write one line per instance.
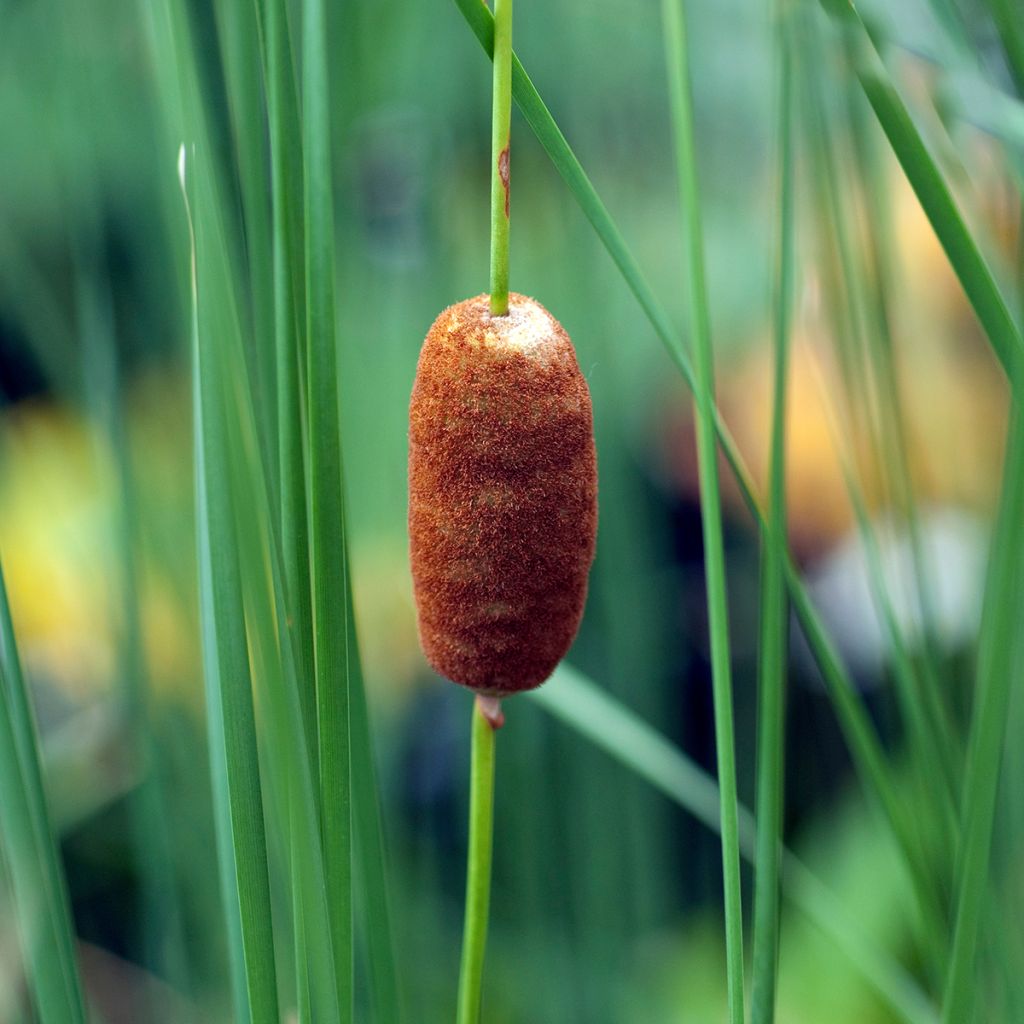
(581, 705)
(289, 344)
(225, 652)
(1000, 669)
(931, 189)
(774, 606)
(370, 848)
(28, 846)
(327, 506)
(677, 57)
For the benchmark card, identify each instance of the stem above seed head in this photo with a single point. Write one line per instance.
(501, 115)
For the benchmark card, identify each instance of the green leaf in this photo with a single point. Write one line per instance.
(371, 852)
(328, 542)
(681, 105)
(28, 847)
(1000, 668)
(774, 627)
(931, 189)
(231, 719)
(581, 705)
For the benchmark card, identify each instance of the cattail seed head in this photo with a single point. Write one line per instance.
(502, 494)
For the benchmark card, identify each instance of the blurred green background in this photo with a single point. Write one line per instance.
(607, 898)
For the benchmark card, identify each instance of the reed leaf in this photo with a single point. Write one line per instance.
(29, 849)
(681, 104)
(584, 707)
(774, 626)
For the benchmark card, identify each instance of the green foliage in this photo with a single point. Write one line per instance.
(336, 173)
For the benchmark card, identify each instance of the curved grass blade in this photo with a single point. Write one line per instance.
(858, 731)
(677, 58)
(774, 606)
(584, 707)
(29, 849)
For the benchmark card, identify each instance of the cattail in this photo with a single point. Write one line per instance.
(502, 494)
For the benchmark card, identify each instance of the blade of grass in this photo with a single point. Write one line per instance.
(262, 564)
(329, 560)
(774, 606)
(1007, 18)
(1000, 667)
(173, 53)
(289, 344)
(925, 879)
(239, 35)
(289, 286)
(163, 940)
(858, 731)
(225, 652)
(371, 854)
(29, 849)
(677, 57)
(879, 272)
(271, 640)
(921, 703)
(584, 707)
(931, 189)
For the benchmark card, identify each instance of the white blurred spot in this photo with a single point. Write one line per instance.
(953, 543)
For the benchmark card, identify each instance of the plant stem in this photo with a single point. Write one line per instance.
(486, 721)
(327, 524)
(1000, 668)
(774, 606)
(710, 504)
(501, 116)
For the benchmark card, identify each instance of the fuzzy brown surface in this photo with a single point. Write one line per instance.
(502, 495)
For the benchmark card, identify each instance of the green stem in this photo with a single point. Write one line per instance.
(327, 530)
(774, 606)
(501, 116)
(710, 503)
(1000, 669)
(486, 721)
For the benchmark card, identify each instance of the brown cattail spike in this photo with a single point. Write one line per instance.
(502, 494)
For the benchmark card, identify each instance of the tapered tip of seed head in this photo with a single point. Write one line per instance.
(502, 494)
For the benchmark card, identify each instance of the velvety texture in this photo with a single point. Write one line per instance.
(502, 494)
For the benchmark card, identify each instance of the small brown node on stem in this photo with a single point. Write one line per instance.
(490, 708)
(502, 495)
(503, 173)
